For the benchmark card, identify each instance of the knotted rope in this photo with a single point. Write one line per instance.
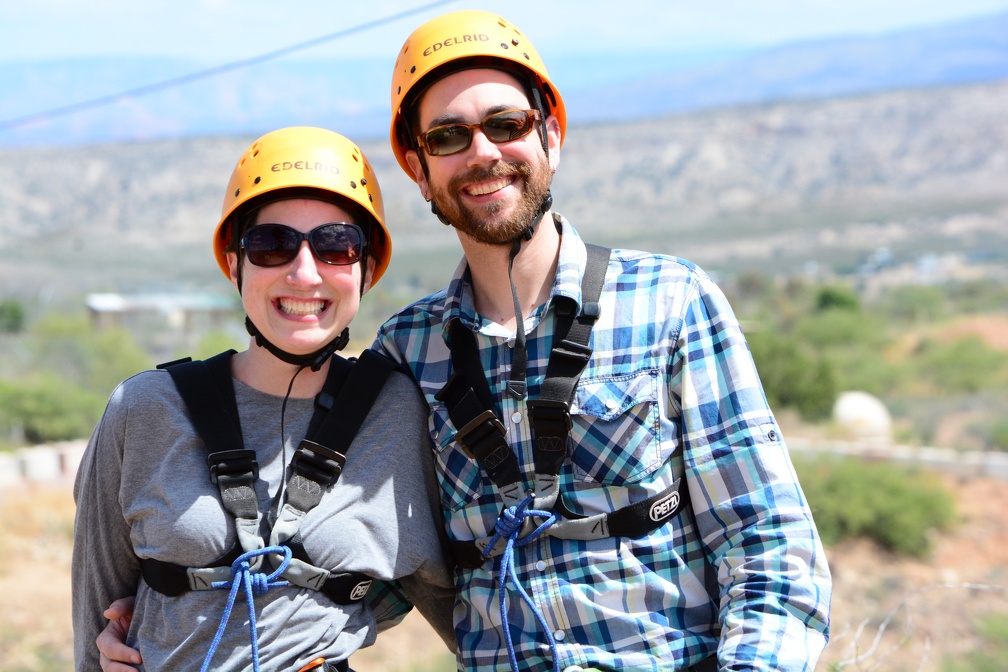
(255, 583)
(509, 524)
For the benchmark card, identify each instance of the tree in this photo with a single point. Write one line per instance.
(11, 316)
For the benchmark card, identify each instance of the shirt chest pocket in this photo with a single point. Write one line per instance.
(615, 434)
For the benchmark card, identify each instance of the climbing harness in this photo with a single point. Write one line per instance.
(482, 436)
(346, 398)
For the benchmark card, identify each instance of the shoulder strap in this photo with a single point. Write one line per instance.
(549, 414)
(319, 461)
(208, 393)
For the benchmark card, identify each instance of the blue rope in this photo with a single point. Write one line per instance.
(508, 526)
(255, 583)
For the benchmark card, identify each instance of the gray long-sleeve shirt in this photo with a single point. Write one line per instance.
(143, 490)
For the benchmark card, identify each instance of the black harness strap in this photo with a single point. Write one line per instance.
(550, 413)
(469, 402)
(208, 393)
(318, 463)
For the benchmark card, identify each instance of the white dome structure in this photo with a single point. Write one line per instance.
(860, 416)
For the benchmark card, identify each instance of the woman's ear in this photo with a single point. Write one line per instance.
(233, 270)
(368, 274)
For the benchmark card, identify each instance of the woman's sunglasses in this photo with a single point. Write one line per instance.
(500, 127)
(337, 243)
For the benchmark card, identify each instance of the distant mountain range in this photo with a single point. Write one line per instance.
(352, 96)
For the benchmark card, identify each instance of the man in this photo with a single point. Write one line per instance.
(632, 506)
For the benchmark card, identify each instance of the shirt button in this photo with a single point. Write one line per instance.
(559, 635)
(611, 404)
(516, 417)
(541, 565)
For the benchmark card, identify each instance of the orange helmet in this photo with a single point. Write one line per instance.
(304, 157)
(466, 38)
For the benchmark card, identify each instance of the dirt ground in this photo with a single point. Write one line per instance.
(889, 614)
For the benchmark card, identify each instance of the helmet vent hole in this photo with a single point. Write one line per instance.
(514, 41)
(353, 185)
(363, 181)
(370, 198)
(412, 70)
(504, 45)
(258, 180)
(237, 191)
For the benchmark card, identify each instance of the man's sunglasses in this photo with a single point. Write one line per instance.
(500, 127)
(337, 243)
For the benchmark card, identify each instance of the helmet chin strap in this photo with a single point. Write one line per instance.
(314, 360)
(517, 386)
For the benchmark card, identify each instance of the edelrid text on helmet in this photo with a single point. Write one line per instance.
(299, 158)
(456, 41)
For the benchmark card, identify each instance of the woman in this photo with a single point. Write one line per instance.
(301, 238)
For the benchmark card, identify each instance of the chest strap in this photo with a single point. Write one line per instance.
(341, 408)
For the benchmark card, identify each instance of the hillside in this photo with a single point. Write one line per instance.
(615, 81)
(816, 187)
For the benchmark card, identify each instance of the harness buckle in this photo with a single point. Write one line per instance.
(573, 350)
(233, 466)
(549, 417)
(484, 428)
(317, 462)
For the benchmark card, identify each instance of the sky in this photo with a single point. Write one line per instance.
(213, 32)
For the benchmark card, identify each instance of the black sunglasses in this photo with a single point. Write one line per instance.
(500, 127)
(336, 243)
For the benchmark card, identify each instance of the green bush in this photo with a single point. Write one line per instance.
(833, 297)
(999, 435)
(791, 376)
(48, 409)
(964, 365)
(841, 328)
(896, 507)
(95, 360)
(11, 316)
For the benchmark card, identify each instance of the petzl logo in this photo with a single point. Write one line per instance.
(664, 507)
(360, 590)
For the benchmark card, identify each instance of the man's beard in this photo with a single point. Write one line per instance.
(481, 223)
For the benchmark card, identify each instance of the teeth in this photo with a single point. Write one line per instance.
(296, 307)
(488, 187)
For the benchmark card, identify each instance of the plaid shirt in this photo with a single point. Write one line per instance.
(670, 391)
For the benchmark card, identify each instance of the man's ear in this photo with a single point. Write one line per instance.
(413, 161)
(553, 140)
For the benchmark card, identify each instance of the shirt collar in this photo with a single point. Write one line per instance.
(459, 302)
